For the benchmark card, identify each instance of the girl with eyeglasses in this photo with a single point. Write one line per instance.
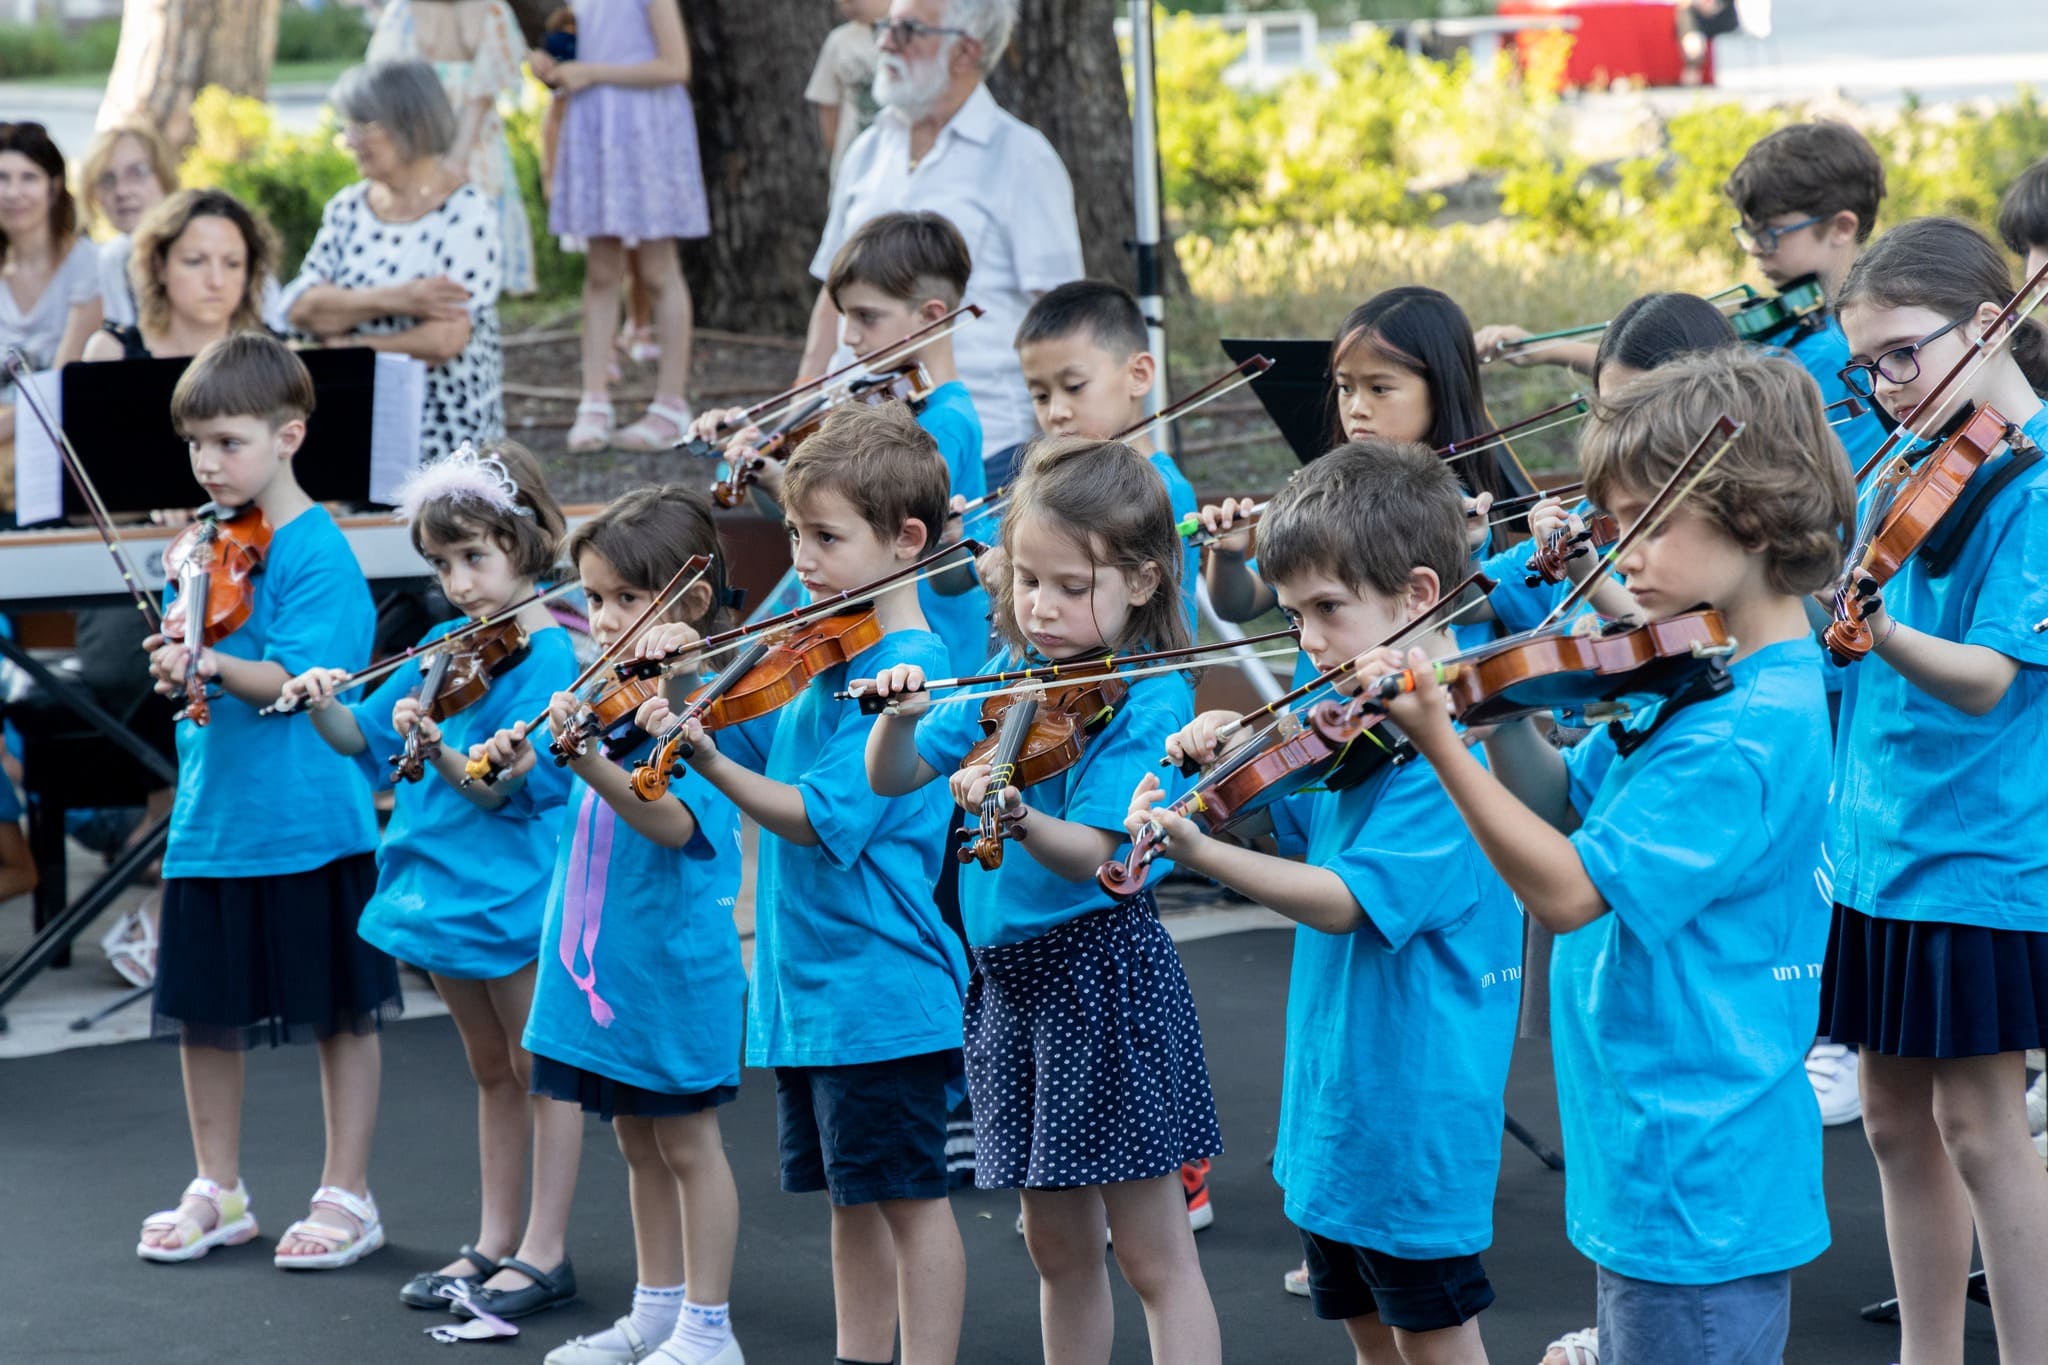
(1937, 962)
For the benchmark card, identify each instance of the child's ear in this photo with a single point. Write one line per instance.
(1141, 371)
(1423, 591)
(694, 605)
(291, 436)
(931, 310)
(911, 538)
(1841, 227)
(1144, 581)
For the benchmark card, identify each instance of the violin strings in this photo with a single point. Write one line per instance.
(1030, 685)
(832, 605)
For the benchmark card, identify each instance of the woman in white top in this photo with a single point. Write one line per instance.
(51, 300)
(127, 172)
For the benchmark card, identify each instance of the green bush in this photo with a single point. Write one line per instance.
(45, 49)
(557, 273)
(332, 32)
(287, 177)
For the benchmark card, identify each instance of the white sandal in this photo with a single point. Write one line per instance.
(592, 431)
(233, 1224)
(344, 1246)
(641, 438)
(1580, 1348)
(130, 945)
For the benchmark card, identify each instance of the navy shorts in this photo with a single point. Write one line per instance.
(1347, 1281)
(868, 1132)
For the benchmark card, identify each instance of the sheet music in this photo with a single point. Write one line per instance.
(38, 464)
(397, 404)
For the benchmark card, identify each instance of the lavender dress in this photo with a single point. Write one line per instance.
(628, 164)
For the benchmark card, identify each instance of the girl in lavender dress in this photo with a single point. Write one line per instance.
(627, 178)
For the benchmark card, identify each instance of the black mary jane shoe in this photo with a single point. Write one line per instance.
(424, 1290)
(546, 1291)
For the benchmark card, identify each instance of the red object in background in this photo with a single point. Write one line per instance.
(1616, 40)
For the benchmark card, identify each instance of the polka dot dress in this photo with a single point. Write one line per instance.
(356, 249)
(1084, 1056)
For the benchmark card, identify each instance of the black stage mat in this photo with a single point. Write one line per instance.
(92, 1140)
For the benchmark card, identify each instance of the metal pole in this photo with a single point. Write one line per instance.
(1145, 197)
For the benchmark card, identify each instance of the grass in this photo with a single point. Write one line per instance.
(321, 73)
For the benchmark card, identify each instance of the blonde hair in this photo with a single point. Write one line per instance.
(1783, 490)
(160, 230)
(101, 151)
(1107, 499)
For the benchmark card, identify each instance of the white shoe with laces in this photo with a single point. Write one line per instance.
(1832, 1069)
(2037, 1104)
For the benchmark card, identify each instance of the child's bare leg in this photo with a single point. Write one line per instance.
(1065, 1232)
(502, 1117)
(931, 1278)
(213, 1108)
(693, 1152)
(1926, 1208)
(1156, 1250)
(351, 1066)
(1458, 1345)
(657, 1204)
(1980, 1108)
(557, 1139)
(604, 270)
(863, 1283)
(1372, 1341)
(668, 294)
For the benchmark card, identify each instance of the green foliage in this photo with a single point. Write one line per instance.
(287, 177)
(46, 49)
(315, 35)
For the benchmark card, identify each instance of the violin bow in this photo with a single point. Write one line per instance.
(776, 406)
(383, 667)
(103, 522)
(1577, 406)
(1231, 380)
(1519, 507)
(687, 575)
(1739, 294)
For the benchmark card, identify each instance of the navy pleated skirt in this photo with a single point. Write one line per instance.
(610, 1099)
(247, 961)
(1916, 988)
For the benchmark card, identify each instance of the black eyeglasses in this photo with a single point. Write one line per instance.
(908, 31)
(1900, 365)
(1764, 240)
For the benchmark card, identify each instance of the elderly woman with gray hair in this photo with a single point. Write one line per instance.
(408, 259)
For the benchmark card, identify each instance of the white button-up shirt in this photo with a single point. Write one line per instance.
(1004, 187)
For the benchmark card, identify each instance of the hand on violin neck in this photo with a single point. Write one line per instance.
(1151, 806)
(407, 715)
(1550, 516)
(1196, 741)
(970, 784)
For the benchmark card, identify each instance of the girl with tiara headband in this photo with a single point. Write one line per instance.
(462, 874)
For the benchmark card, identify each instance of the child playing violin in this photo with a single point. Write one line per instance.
(1673, 857)
(857, 979)
(900, 273)
(257, 941)
(637, 1005)
(1935, 961)
(2023, 217)
(1093, 1127)
(462, 873)
(1397, 907)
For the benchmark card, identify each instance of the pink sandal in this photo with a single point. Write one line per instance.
(593, 429)
(646, 436)
(233, 1224)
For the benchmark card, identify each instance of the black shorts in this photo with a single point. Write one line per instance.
(869, 1132)
(1347, 1281)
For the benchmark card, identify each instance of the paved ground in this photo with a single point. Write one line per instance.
(94, 1139)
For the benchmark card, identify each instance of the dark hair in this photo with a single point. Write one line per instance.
(1819, 168)
(877, 457)
(159, 231)
(1106, 312)
(1423, 330)
(32, 140)
(2023, 212)
(247, 374)
(1367, 514)
(1110, 501)
(530, 540)
(910, 257)
(1783, 490)
(1656, 328)
(1946, 266)
(648, 534)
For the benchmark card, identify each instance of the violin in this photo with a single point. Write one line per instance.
(1030, 738)
(1902, 522)
(214, 561)
(1763, 321)
(911, 385)
(771, 672)
(1298, 751)
(1548, 563)
(454, 680)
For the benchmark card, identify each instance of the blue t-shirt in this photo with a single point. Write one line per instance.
(1023, 898)
(962, 622)
(1680, 1021)
(852, 960)
(263, 796)
(1411, 1014)
(1925, 795)
(1182, 494)
(460, 889)
(640, 977)
(1822, 354)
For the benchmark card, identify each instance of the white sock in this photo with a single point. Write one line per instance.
(653, 1317)
(701, 1332)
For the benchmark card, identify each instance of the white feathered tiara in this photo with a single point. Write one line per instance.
(463, 476)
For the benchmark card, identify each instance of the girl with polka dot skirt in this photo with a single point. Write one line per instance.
(1084, 1055)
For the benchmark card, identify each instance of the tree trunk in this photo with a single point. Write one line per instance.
(1064, 76)
(764, 165)
(172, 49)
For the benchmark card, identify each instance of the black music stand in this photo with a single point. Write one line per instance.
(1295, 392)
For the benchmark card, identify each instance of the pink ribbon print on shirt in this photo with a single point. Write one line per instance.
(590, 858)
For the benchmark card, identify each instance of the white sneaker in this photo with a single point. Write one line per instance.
(2037, 1104)
(1832, 1069)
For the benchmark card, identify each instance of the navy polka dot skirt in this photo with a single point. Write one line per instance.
(1084, 1056)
